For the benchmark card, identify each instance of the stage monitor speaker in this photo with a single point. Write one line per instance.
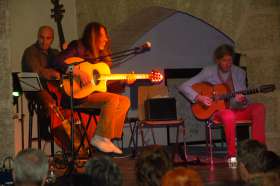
(160, 109)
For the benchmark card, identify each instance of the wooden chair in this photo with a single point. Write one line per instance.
(212, 125)
(144, 93)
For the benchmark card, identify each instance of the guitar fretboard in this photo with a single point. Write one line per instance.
(244, 92)
(123, 76)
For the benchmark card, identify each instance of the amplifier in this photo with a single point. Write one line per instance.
(160, 109)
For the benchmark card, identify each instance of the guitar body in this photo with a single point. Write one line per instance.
(99, 74)
(203, 112)
(93, 71)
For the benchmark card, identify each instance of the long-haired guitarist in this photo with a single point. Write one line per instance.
(93, 44)
(234, 79)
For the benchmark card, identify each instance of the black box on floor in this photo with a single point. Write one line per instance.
(160, 109)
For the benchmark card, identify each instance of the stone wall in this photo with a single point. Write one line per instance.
(254, 25)
(24, 33)
(6, 124)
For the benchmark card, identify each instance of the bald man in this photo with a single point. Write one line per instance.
(39, 58)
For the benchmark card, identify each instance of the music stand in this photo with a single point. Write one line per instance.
(29, 82)
(25, 82)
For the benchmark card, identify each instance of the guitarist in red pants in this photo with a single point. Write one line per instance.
(238, 108)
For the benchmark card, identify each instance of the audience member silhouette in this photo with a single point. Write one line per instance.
(152, 163)
(30, 168)
(103, 171)
(181, 176)
(258, 166)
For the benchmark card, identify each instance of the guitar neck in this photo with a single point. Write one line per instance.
(61, 35)
(123, 76)
(244, 92)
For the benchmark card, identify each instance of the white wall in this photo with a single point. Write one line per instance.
(179, 41)
(28, 15)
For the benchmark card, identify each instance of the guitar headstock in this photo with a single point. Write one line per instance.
(267, 88)
(57, 11)
(155, 76)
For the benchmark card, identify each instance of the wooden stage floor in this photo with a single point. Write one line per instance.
(220, 174)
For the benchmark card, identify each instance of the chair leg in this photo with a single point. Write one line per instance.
(132, 131)
(207, 136)
(84, 134)
(168, 135)
(137, 123)
(176, 149)
(209, 124)
(30, 130)
(153, 135)
(31, 114)
(184, 142)
(142, 135)
(39, 135)
(122, 141)
(52, 147)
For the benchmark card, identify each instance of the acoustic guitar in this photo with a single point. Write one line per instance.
(99, 74)
(219, 93)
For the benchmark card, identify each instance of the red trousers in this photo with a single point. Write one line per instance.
(254, 112)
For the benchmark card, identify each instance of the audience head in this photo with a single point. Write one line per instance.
(270, 160)
(75, 179)
(103, 171)
(249, 154)
(30, 167)
(45, 37)
(152, 163)
(181, 176)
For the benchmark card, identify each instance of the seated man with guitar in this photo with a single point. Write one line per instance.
(94, 44)
(226, 77)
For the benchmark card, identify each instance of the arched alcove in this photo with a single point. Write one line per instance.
(179, 41)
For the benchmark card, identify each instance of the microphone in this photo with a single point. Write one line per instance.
(133, 51)
(144, 48)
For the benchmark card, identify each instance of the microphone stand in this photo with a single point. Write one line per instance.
(71, 163)
(117, 55)
(123, 54)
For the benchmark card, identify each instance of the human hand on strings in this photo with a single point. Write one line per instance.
(240, 98)
(84, 78)
(56, 75)
(131, 78)
(205, 100)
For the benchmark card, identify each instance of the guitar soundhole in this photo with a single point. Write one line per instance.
(96, 77)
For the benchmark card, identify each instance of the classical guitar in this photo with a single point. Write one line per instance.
(99, 74)
(219, 93)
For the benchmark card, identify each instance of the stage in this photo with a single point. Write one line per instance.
(219, 174)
